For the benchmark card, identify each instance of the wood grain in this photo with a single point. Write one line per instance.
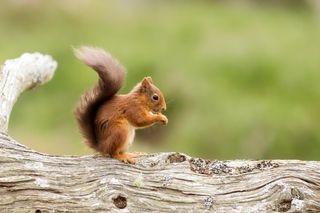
(165, 182)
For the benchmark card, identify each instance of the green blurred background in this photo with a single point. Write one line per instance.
(241, 78)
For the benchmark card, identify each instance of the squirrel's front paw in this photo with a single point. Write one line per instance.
(163, 119)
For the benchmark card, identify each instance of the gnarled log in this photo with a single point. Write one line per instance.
(164, 182)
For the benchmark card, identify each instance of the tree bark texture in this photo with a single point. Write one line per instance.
(165, 182)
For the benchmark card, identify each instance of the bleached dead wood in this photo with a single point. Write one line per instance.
(18, 75)
(165, 182)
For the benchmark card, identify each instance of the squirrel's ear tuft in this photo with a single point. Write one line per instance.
(146, 82)
(149, 79)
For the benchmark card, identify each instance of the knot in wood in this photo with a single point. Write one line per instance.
(120, 202)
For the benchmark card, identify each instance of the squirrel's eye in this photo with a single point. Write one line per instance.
(155, 97)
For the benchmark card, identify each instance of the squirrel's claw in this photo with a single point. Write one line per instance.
(164, 119)
(126, 158)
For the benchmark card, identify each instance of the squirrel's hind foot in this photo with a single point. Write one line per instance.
(126, 158)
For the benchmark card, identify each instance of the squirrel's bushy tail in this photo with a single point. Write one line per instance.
(111, 74)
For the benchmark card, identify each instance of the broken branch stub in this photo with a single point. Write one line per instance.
(18, 75)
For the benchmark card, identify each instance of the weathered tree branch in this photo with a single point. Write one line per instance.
(18, 75)
(165, 182)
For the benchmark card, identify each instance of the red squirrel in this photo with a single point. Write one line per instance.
(107, 120)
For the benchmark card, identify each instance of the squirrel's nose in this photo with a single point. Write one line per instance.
(164, 108)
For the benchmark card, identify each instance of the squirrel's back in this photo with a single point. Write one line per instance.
(111, 74)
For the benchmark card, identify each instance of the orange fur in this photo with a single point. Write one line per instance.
(107, 120)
